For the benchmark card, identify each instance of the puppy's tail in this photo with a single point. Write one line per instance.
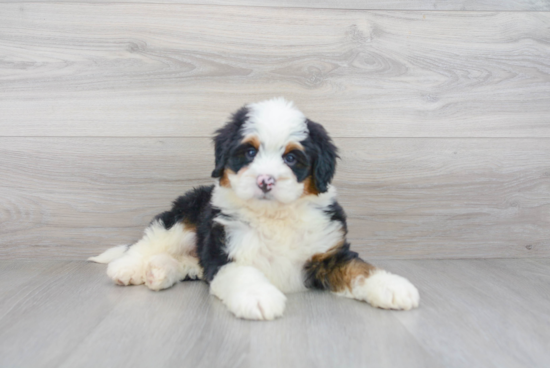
(110, 254)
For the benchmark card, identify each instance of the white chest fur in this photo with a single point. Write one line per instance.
(279, 240)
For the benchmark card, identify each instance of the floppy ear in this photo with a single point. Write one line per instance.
(324, 155)
(225, 138)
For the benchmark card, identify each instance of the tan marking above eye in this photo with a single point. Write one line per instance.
(293, 146)
(253, 141)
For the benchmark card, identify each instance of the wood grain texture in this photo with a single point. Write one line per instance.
(426, 5)
(475, 311)
(70, 198)
(39, 323)
(482, 313)
(179, 70)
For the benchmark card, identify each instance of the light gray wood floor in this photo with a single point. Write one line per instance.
(474, 313)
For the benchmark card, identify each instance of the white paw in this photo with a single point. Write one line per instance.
(126, 271)
(385, 290)
(263, 303)
(161, 272)
(190, 268)
(247, 293)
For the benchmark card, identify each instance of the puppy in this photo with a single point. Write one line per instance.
(270, 225)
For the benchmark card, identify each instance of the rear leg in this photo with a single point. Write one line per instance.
(160, 259)
(167, 251)
(163, 270)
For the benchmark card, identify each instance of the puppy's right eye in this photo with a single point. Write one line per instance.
(251, 153)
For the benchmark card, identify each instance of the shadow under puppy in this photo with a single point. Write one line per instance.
(270, 225)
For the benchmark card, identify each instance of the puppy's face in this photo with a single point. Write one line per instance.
(269, 151)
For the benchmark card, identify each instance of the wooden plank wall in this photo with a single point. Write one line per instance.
(441, 110)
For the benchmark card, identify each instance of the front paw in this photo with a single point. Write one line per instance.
(262, 303)
(388, 291)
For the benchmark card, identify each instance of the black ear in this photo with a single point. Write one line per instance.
(324, 154)
(225, 138)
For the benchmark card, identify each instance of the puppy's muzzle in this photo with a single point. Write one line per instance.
(265, 182)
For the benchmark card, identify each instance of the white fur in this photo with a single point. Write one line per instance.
(275, 123)
(269, 236)
(277, 238)
(279, 231)
(110, 254)
(160, 259)
(163, 270)
(286, 189)
(384, 290)
(127, 270)
(247, 293)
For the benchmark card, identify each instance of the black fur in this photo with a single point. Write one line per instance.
(187, 208)
(238, 158)
(323, 154)
(316, 272)
(302, 166)
(319, 159)
(336, 213)
(194, 208)
(315, 275)
(211, 244)
(227, 139)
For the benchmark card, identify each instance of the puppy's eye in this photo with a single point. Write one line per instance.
(251, 153)
(290, 159)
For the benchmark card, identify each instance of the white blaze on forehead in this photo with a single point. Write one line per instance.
(276, 122)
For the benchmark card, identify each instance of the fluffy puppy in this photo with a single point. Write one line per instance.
(270, 225)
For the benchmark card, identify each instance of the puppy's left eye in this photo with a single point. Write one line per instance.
(290, 159)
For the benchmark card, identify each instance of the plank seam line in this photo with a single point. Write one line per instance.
(269, 7)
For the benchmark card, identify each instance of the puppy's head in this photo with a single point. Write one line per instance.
(269, 151)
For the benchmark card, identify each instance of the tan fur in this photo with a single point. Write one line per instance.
(309, 187)
(224, 180)
(341, 276)
(354, 269)
(191, 227)
(293, 146)
(253, 140)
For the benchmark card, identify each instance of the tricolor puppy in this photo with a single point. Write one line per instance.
(270, 225)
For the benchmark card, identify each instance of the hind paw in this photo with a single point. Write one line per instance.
(161, 272)
(126, 272)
